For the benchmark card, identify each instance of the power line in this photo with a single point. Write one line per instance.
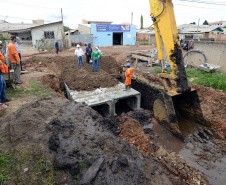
(21, 18)
(205, 2)
(30, 5)
(197, 6)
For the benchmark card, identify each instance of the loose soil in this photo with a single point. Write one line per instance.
(77, 145)
(213, 104)
(80, 79)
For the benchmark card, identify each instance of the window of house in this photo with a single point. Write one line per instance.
(49, 34)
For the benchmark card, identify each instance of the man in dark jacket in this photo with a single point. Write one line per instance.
(57, 47)
(88, 53)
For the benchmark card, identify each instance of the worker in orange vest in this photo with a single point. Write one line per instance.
(128, 75)
(15, 60)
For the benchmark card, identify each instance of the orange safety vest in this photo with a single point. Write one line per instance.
(128, 75)
(3, 67)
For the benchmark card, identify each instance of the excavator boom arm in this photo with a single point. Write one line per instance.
(179, 104)
(166, 32)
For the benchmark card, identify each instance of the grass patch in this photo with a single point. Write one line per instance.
(82, 164)
(215, 80)
(13, 163)
(37, 89)
(158, 70)
(144, 43)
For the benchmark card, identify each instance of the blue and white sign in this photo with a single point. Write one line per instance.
(112, 27)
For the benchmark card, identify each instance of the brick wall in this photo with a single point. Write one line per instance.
(219, 37)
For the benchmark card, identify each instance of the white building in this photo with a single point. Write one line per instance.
(36, 34)
(6, 26)
(51, 31)
(218, 23)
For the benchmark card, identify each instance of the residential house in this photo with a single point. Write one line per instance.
(32, 34)
(218, 23)
(202, 31)
(18, 29)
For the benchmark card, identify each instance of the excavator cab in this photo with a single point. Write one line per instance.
(178, 108)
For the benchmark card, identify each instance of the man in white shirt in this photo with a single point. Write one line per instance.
(79, 53)
(100, 53)
(99, 50)
(19, 51)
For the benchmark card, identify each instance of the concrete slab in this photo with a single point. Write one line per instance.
(105, 99)
(209, 67)
(117, 93)
(91, 98)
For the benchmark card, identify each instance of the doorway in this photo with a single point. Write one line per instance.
(117, 38)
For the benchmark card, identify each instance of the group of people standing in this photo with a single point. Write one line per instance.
(91, 56)
(13, 54)
(94, 58)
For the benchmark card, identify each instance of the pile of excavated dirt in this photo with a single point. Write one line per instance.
(122, 58)
(72, 135)
(66, 70)
(213, 104)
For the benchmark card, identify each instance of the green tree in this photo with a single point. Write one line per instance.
(205, 22)
(193, 23)
(224, 26)
(141, 22)
(66, 28)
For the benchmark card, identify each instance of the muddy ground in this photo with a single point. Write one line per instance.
(55, 126)
(130, 149)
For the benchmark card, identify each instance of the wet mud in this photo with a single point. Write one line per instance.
(205, 157)
(79, 142)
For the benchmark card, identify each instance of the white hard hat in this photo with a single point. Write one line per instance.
(78, 46)
(96, 47)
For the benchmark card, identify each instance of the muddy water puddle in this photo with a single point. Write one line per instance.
(202, 156)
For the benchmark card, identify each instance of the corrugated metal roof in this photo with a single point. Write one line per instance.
(150, 32)
(199, 29)
(87, 25)
(46, 24)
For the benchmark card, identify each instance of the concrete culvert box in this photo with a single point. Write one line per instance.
(125, 105)
(108, 102)
(103, 110)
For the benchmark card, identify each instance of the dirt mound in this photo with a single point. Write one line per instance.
(52, 81)
(122, 58)
(213, 104)
(72, 135)
(26, 126)
(66, 69)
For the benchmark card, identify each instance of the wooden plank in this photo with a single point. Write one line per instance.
(141, 57)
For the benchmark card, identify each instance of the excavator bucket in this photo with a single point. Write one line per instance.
(180, 113)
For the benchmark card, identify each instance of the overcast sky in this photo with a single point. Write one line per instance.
(117, 11)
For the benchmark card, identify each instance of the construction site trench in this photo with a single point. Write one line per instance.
(129, 148)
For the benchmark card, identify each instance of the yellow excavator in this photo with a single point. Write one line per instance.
(178, 108)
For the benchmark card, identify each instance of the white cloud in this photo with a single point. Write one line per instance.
(117, 10)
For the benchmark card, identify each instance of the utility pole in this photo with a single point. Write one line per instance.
(63, 34)
(198, 25)
(131, 18)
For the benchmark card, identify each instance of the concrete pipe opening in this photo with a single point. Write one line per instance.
(103, 110)
(126, 105)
